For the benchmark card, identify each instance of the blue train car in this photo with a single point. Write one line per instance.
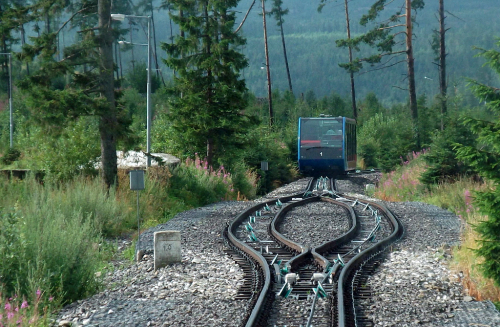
(326, 145)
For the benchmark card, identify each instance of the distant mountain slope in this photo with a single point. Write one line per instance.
(314, 58)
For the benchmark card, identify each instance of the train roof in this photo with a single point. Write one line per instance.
(330, 117)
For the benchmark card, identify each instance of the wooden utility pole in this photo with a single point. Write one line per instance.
(442, 62)
(411, 72)
(269, 91)
(353, 90)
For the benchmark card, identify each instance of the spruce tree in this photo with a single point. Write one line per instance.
(485, 158)
(208, 94)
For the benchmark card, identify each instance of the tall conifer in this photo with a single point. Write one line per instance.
(484, 158)
(208, 102)
(88, 67)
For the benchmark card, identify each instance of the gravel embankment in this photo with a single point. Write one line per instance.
(200, 290)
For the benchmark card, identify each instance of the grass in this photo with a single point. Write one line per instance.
(403, 185)
(55, 236)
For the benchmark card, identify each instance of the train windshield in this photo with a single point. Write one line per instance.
(322, 132)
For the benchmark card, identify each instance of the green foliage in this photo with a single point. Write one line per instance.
(50, 237)
(79, 84)
(485, 158)
(197, 184)
(207, 106)
(12, 155)
(138, 77)
(429, 119)
(369, 107)
(74, 150)
(386, 138)
(278, 12)
(271, 147)
(368, 151)
(441, 160)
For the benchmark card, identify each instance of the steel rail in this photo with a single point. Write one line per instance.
(397, 232)
(231, 231)
(279, 218)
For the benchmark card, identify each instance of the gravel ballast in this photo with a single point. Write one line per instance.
(200, 290)
(315, 223)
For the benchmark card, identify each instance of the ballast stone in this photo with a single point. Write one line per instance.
(167, 248)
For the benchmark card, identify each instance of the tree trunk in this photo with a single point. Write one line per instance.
(132, 48)
(269, 91)
(47, 23)
(108, 120)
(284, 52)
(158, 73)
(353, 90)
(442, 63)
(23, 42)
(411, 72)
(208, 50)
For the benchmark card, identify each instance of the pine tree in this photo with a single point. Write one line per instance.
(384, 37)
(208, 102)
(88, 67)
(485, 158)
(349, 67)
(278, 12)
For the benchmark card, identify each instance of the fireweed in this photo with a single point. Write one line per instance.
(16, 311)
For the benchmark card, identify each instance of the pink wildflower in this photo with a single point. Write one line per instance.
(8, 306)
(467, 197)
(10, 315)
(50, 299)
(24, 304)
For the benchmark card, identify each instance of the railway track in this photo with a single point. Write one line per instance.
(291, 284)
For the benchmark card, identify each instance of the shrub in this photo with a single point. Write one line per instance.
(197, 184)
(11, 156)
(441, 160)
(270, 146)
(73, 150)
(387, 138)
(368, 152)
(50, 238)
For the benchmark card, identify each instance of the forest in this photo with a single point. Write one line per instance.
(218, 92)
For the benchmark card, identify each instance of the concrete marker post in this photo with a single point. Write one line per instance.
(167, 248)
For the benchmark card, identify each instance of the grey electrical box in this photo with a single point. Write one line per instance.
(137, 180)
(264, 165)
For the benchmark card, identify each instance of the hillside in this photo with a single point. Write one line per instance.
(314, 58)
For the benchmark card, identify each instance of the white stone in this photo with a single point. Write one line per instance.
(291, 278)
(134, 159)
(369, 187)
(318, 277)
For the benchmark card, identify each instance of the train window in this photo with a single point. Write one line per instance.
(321, 133)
